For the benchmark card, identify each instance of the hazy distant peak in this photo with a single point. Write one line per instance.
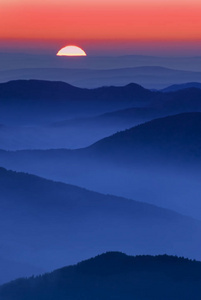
(177, 87)
(37, 83)
(134, 85)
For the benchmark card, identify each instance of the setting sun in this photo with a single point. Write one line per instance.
(71, 51)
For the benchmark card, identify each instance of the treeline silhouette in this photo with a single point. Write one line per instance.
(113, 275)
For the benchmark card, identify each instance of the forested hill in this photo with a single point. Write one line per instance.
(113, 275)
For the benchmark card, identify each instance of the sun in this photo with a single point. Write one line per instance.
(71, 51)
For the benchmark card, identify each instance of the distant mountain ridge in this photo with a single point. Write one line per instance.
(152, 77)
(56, 90)
(17, 61)
(32, 101)
(177, 87)
(113, 275)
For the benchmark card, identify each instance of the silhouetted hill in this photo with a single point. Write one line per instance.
(156, 162)
(177, 87)
(48, 224)
(28, 107)
(113, 275)
(35, 102)
(175, 137)
(82, 132)
(114, 121)
(60, 99)
(56, 91)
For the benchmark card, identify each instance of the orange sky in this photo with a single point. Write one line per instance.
(70, 20)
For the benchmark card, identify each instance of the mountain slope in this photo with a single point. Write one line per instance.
(81, 132)
(177, 87)
(113, 275)
(48, 224)
(156, 162)
(175, 137)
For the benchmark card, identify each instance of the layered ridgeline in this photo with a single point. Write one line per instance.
(113, 275)
(152, 77)
(16, 62)
(156, 162)
(176, 138)
(58, 100)
(34, 101)
(73, 133)
(45, 225)
(38, 114)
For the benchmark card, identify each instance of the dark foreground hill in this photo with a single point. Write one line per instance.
(47, 224)
(113, 275)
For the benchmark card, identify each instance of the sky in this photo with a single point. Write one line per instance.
(114, 25)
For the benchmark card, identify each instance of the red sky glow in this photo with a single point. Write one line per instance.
(83, 20)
